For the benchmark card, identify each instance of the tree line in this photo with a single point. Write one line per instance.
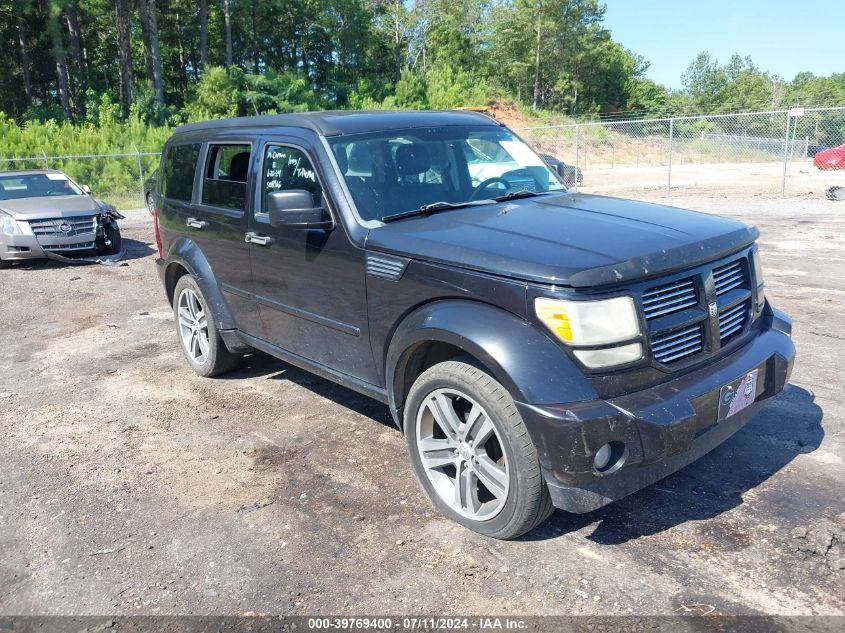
(61, 56)
(167, 61)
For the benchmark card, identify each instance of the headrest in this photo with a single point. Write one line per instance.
(239, 167)
(360, 160)
(412, 159)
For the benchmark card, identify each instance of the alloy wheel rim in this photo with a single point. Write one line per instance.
(462, 454)
(193, 326)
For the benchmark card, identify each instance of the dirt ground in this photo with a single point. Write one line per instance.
(129, 485)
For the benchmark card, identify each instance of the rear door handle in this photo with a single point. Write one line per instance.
(260, 240)
(196, 224)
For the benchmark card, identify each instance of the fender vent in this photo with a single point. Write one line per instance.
(384, 267)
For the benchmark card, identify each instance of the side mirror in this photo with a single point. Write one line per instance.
(295, 208)
(86, 189)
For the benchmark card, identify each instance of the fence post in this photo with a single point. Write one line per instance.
(785, 157)
(669, 179)
(46, 162)
(140, 175)
(577, 156)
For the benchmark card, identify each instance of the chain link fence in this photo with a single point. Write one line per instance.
(117, 178)
(745, 154)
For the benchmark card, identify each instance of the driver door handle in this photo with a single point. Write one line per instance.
(260, 240)
(196, 224)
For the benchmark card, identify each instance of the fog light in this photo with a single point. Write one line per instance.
(610, 457)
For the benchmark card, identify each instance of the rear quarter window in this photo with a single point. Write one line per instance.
(177, 172)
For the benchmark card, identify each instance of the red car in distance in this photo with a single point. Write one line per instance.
(833, 158)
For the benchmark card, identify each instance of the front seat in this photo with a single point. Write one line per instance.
(412, 161)
(360, 175)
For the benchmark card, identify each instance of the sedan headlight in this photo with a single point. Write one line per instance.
(8, 225)
(594, 323)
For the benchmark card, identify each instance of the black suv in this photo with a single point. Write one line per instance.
(538, 348)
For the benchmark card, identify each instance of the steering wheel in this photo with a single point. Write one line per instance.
(486, 184)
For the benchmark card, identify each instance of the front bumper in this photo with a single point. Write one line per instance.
(663, 428)
(20, 247)
(27, 246)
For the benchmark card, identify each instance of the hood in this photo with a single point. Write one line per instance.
(570, 239)
(50, 207)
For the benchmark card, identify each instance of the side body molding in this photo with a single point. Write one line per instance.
(528, 363)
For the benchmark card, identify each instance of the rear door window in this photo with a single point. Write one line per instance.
(180, 164)
(225, 176)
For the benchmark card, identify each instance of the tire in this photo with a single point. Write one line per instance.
(112, 236)
(511, 498)
(205, 351)
(151, 205)
(5, 264)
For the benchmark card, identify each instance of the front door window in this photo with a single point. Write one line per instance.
(288, 168)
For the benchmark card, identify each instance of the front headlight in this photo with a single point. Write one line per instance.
(758, 267)
(610, 356)
(604, 322)
(8, 225)
(758, 277)
(590, 322)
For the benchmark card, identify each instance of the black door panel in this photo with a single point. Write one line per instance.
(218, 226)
(309, 284)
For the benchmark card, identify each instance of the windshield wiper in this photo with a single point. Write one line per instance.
(428, 209)
(522, 193)
(434, 207)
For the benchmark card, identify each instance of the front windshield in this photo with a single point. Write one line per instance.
(16, 186)
(393, 172)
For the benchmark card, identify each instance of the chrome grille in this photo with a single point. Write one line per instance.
(728, 277)
(52, 227)
(677, 344)
(669, 298)
(732, 320)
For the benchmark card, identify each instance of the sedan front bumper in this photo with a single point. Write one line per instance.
(26, 246)
(662, 429)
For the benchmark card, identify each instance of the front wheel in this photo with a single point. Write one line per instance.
(111, 242)
(471, 452)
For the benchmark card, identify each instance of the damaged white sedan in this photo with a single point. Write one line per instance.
(43, 213)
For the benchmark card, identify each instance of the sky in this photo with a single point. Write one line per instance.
(782, 36)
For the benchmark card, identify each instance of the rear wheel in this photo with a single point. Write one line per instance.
(199, 337)
(471, 452)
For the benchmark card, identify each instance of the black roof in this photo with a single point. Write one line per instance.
(339, 122)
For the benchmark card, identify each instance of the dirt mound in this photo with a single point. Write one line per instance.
(508, 113)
